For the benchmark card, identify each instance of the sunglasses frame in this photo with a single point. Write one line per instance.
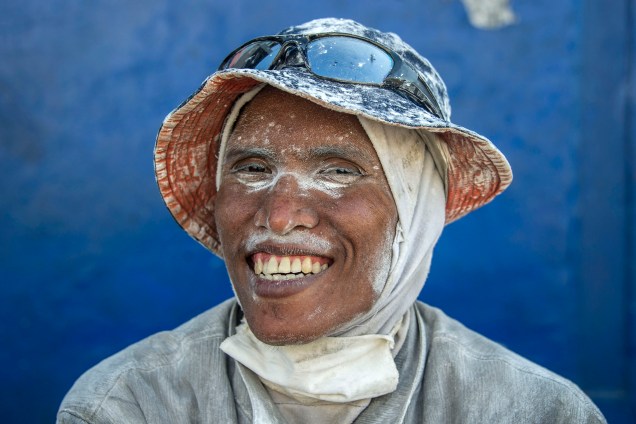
(403, 78)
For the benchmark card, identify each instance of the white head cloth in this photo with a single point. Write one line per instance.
(410, 160)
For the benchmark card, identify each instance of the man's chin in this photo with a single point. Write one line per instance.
(287, 337)
(279, 327)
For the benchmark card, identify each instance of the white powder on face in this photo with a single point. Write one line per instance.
(296, 238)
(380, 265)
(306, 184)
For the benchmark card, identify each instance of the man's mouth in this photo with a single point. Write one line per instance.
(272, 267)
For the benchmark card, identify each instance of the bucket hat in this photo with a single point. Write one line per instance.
(186, 150)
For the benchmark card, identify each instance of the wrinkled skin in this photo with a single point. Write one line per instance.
(300, 179)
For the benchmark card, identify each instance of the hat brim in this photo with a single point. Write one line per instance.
(187, 143)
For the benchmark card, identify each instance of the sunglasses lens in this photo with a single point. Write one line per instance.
(256, 55)
(348, 59)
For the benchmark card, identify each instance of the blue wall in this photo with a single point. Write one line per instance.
(91, 261)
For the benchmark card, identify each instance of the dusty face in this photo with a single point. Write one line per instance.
(305, 218)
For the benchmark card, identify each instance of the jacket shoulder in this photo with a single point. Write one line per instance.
(479, 378)
(141, 369)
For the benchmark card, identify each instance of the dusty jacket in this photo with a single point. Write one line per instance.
(448, 374)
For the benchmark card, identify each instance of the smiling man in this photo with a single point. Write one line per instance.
(321, 164)
(306, 227)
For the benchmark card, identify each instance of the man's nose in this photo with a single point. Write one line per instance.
(286, 207)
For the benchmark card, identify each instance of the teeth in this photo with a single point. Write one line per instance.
(277, 277)
(272, 266)
(296, 267)
(306, 266)
(284, 267)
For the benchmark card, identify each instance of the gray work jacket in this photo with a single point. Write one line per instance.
(448, 374)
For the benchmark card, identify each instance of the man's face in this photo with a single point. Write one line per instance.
(305, 218)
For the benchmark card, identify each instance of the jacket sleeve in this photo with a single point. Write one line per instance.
(67, 417)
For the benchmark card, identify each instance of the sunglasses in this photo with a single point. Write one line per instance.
(337, 57)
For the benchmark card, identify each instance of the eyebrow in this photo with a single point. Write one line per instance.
(240, 153)
(345, 152)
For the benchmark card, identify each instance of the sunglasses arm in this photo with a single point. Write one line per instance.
(414, 93)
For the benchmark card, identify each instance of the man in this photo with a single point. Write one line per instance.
(322, 165)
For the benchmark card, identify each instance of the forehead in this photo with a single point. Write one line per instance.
(274, 117)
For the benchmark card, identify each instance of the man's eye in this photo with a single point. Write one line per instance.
(345, 171)
(252, 172)
(251, 168)
(342, 174)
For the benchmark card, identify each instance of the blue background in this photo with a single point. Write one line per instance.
(91, 261)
